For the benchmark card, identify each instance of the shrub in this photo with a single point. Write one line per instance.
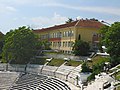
(85, 68)
(81, 48)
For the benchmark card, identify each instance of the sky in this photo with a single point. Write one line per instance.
(46, 13)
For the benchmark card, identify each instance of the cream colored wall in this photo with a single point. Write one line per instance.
(63, 39)
(86, 33)
(66, 39)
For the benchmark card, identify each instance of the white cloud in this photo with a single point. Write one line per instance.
(54, 3)
(108, 21)
(35, 22)
(99, 9)
(48, 21)
(25, 2)
(6, 9)
(9, 8)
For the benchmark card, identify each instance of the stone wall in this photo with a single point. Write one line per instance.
(62, 56)
(39, 69)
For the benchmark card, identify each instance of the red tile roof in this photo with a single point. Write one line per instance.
(80, 23)
(90, 23)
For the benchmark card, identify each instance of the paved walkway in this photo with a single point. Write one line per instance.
(99, 82)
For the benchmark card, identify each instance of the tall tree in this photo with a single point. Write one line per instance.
(103, 32)
(1, 41)
(85, 67)
(69, 20)
(81, 48)
(93, 19)
(112, 41)
(19, 45)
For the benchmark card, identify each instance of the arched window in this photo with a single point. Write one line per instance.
(79, 37)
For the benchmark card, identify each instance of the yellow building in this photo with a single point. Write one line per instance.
(63, 36)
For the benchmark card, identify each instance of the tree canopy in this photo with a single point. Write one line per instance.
(81, 48)
(20, 45)
(1, 40)
(85, 67)
(69, 20)
(111, 39)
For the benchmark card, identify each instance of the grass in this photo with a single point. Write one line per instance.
(40, 61)
(113, 70)
(56, 53)
(98, 60)
(50, 53)
(53, 52)
(117, 75)
(73, 63)
(56, 62)
(118, 67)
(118, 88)
(0, 56)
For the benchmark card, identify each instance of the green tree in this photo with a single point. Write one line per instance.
(85, 67)
(1, 41)
(91, 77)
(46, 44)
(81, 48)
(69, 20)
(19, 45)
(111, 40)
(93, 19)
(103, 32)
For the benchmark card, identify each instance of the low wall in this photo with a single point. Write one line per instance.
(34, 68)
(16, 67)
(21, 68)
(62, 56)
(2, 67)
(71, 79)
(38, 69)
(49, 70)
(61, 76)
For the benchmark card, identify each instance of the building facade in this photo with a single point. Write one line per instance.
(62, 37)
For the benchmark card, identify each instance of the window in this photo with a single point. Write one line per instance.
(67, 34)
(46, 36)
(53, 35)
(50, 36)
(60, 35)
(50, 43)
(53, 44)
(59, 44)
(72, 33)
(69, 44)
(79, 37)
(63, 44)
(63, 34)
